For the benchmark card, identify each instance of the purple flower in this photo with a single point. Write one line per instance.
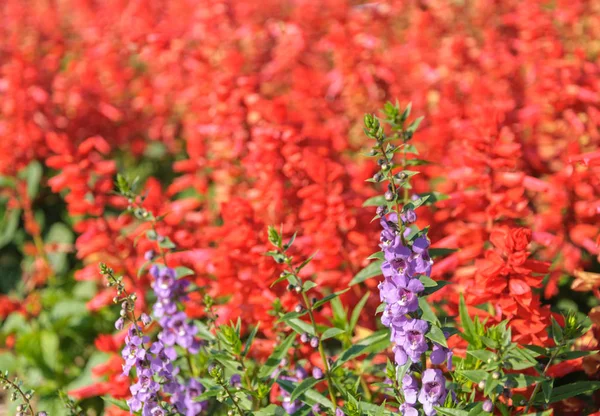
(145, 388)
(408, 217)
(488, 406)
(153, 409)
(132, 353)
(406, 297)
(433, 392)
(120, 324)
(145, 319)
(149, 255)
(317, 373)
(415, 342)
(407, 410)
(339, 412)
(440, 354)
(400, 355)
(389, 225)
(397, 260)
(410, 388)
(235, 380)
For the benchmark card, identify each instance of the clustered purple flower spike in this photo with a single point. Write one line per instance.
(403, 263)
(176, 328)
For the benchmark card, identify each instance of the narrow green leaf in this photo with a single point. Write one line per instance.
(329, 298)
(276, 356)
(306, 384)
(375, 201)
(428, 313)
(331, 332)
(371, 344)
(250, 340)
(372, 270)
(436, 335)
(357, 310)
(570, 390)
(468, 327)
(441, 252)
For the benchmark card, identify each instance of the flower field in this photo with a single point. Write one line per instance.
(304, 207)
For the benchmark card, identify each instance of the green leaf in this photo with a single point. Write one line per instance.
(438, 285)
(306, 384)
(331, 332)
(250, 340)
(50, 349)
(203, 331)
(34, 176)
(428, 313)
(372, 270)
(441, 252)
(451, 412)
(474, 375)
(557, 333)
(270, 410)
(276, 356)
(482, 355)
(570, 390)
(378, 255)
(570, 355)
(547, 389)
(183, 272)
(301, 327)
(490, 385)
(60, 234)
(274, 236)
(357, 310)
(417, 162)
(522, 380)
(328, 298)
(537, 349)
(373, 343)
(309, 284)
(436, 335)
(9, 225)
(375, 201)
(121, 404)
(469, 333)
(310, 396)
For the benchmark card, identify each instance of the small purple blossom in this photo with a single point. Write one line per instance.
(408, 410)
(317, 373)
(235, 380)
(488, 406)
(410, 389)
(433, 390)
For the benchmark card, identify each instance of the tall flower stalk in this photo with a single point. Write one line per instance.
(406, 266)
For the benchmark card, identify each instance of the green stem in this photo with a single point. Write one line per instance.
(538, 385)
(321, 351)
(16, 388)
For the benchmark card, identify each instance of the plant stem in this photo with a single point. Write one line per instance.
(538, 385)
(16, 388)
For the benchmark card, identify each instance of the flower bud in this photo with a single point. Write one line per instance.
(481, 384)
(298, 289)
(389, 196)
(495, 375)
(304, 338)
(314, 342)
(488, 405)
(299, 308)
